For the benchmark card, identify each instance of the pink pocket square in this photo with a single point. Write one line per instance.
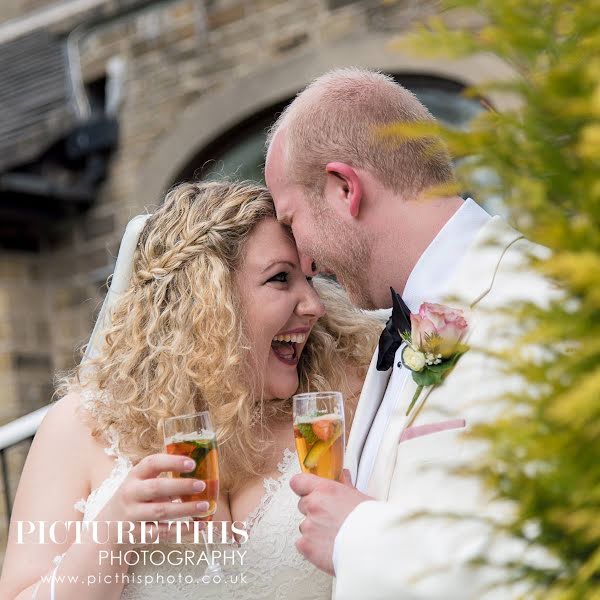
(419, 430)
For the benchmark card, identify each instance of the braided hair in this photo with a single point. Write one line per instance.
(177, 343)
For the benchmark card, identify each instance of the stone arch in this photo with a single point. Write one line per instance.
(216, 113)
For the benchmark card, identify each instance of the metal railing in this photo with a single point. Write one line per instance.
(13, 433)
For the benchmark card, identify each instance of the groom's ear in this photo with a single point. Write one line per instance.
(347, 186)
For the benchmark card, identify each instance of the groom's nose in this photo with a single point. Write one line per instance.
(309, 266)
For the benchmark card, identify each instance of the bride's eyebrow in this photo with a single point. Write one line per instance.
(278, 262)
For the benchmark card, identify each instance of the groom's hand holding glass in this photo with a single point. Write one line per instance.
(327, 495)
(326, 504)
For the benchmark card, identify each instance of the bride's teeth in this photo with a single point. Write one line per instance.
(297, 338)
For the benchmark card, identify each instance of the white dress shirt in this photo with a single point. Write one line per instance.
(427, 283)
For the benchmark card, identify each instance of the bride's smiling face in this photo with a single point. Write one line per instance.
(280, 306)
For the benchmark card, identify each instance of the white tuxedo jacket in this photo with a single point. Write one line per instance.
(380, 552)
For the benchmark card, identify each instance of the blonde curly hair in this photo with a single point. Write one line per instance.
(177, 343)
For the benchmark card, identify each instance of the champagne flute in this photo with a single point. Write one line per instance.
(319, 433)
(193, 436)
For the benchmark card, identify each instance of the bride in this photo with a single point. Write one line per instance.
(214, 280)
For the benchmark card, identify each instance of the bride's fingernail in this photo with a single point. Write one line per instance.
(198, 486)
(202, 506)
(189, 464)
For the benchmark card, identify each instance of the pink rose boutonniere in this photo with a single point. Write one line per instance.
(434, 344)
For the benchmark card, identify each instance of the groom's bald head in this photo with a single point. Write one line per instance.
(336, 118)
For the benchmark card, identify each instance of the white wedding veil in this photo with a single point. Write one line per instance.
(120, 282)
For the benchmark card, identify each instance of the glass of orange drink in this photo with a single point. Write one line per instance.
(319, 433)
(193, 436)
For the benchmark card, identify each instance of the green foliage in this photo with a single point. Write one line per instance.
(307, 433)
(545, 458)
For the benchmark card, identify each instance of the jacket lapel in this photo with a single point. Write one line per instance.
(370, 398)
(473, 280)
(381, 477)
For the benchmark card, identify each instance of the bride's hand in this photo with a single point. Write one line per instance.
(145, 496)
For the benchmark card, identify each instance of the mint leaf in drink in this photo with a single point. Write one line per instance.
(198, 455)
(307, 433)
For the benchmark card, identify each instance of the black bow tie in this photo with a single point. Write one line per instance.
(390, 339)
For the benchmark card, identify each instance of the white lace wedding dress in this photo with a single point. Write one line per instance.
(272, 567)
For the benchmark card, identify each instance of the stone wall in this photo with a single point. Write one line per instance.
(13, 9)
(177, 53)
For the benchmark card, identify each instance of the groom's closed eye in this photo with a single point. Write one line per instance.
(287, 225)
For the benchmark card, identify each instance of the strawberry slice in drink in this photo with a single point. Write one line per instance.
(323, 429)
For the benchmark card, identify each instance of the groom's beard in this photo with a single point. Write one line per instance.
(344, 251)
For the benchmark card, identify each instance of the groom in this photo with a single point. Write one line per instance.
(377, 214)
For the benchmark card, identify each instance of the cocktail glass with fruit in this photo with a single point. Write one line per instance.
(193, 436)
(319, 433)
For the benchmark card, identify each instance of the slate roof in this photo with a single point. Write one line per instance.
(35, 97)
